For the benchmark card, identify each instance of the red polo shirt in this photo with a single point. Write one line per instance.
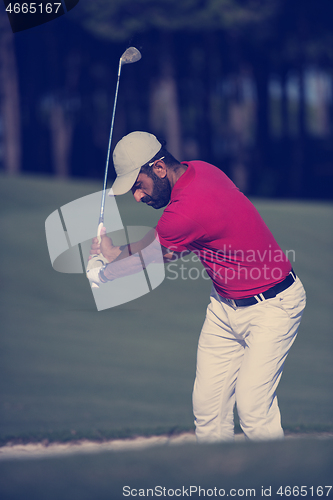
(208, 215)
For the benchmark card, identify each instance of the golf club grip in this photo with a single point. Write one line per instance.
(99, 229)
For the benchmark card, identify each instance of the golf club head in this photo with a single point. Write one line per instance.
(131, 55)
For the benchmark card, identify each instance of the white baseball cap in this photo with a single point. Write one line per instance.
(129, 155)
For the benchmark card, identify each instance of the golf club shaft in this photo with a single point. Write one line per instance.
(130, 55)
(101, 217)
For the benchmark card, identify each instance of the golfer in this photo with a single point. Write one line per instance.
(256, 300)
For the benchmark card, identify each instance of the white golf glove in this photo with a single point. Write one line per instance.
(93, 268)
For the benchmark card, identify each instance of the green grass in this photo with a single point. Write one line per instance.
(68, 371)
(66, 368)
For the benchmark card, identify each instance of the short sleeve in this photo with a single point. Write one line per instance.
(177, 232)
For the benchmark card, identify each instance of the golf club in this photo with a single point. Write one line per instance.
(131, 55)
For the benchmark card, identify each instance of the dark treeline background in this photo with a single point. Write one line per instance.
(245, 85)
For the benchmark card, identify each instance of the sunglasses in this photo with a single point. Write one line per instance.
(152, 163)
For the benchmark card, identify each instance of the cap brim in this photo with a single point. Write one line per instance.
(124, 183)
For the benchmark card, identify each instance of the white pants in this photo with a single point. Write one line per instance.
(240, 359)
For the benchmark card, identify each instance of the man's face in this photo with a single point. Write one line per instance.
(153, 191)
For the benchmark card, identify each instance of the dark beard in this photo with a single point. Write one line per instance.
(161, 192)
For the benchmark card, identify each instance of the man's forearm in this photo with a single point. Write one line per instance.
(120, 268)
(125, 251)
(126, 264)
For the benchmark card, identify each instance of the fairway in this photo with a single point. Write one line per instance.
(68, 371)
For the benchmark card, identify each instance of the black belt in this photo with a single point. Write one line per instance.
(268, 294)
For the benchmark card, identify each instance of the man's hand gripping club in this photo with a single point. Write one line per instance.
(102, 252)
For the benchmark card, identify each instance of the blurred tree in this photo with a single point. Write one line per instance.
(121, 20)
(297, 35)
(61, 102)
(9, 99)
(205, 65)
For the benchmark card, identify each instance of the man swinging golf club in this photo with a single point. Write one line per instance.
(256, 301)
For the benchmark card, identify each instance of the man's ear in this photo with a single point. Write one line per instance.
(160, 169)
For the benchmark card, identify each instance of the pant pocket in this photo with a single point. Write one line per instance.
(292, 300)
